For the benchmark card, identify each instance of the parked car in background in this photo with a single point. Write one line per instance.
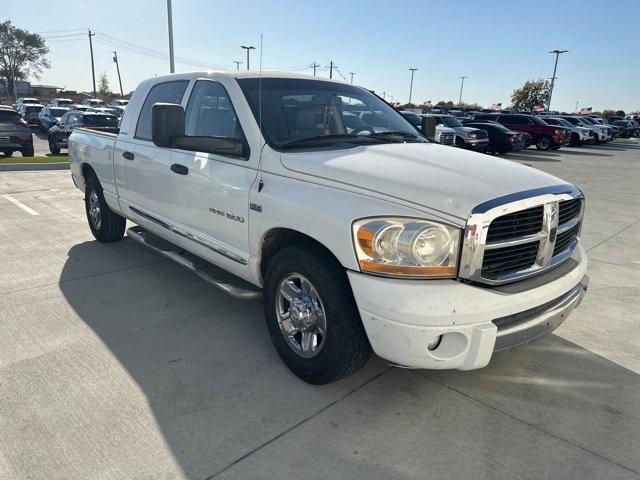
(501, 139)
(544, 136)
(61, 102)
(50, 116)
(118, 111)
(119, 102)
(14, 133)
(30, 112)
(466, 136)
(59, 134)
(604, 133)
(626, 128)
(93, 102)
(443, 135)
(579, 135)
(25, 101)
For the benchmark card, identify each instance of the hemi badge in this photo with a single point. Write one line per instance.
(255, 206)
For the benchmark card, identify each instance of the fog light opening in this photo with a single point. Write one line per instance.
(435, 343)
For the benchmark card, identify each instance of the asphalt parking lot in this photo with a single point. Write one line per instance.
(115, 363)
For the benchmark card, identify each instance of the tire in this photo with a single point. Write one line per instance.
(596, 139)
(343, 346)
(106, 225)
(53, 146)
(28, 152)
(575, 140)
(543, 143)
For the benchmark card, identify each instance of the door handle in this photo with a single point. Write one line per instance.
(128, 155)
(179, 169)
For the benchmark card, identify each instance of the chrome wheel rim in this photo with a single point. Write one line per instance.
(94, 210)
(301, 315)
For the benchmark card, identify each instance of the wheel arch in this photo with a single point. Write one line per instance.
(278, 238)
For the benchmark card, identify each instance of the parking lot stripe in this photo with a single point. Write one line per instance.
(21, 205)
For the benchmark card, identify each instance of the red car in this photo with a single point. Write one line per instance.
(545, 136)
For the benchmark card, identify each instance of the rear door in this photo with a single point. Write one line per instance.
(211, 190)
(142, 169)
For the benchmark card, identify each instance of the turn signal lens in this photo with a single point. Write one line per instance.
(407, 247)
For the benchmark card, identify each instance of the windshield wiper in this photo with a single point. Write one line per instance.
(321, 139)
(397, 133)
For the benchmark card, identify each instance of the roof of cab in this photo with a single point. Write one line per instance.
(238, 74)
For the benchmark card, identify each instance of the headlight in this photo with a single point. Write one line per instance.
(473, 135)
(406, 247)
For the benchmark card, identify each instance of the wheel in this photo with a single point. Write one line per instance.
(312, 316)
(27, 152)
(543, 143)
(53, 146)
(105, 224)
(596, 139)
(575, 140)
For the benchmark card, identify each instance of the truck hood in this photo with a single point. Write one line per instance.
(436, 177)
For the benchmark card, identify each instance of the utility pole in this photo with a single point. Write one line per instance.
(331, 67)
(461, 86)
(352, 74)
(553, 78)
(172, 65)
(413, 70)
(247, 48)
(115, 59)
(315, 65)
(237, 64)
(93, 70)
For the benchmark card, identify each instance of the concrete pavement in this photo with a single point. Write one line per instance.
(115, 363)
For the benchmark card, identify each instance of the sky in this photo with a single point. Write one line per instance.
(498, 44)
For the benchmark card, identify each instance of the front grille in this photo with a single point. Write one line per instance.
(524, 222)
(564, 239)
(568, 209)
(482, 134)
(502, 261)
(447, 138)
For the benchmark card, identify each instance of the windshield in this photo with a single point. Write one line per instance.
(65, 102)
(32, 109)
(414, 118)
(538, 121)
(101, 120)
(311, 113)
(588, 120)
(58, 112)
(8, 116)
(451, 122)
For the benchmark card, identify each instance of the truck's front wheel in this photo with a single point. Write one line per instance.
(312, 316)
(105, 224)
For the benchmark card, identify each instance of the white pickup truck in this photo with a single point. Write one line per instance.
(356, 236)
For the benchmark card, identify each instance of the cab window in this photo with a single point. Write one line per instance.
(168, 92)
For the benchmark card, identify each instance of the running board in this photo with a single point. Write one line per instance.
(225, 281)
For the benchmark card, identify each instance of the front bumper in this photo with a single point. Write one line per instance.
(446, 324)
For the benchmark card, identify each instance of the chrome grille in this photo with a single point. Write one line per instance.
(517, 236)
(524, 222)
(447, 138)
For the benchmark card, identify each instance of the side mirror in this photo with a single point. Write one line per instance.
(167, 122)
(429, 127)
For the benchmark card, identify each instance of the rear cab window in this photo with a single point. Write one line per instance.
(168, 92)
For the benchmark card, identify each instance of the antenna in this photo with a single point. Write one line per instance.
(260, 145)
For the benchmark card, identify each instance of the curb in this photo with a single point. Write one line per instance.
(25, 167)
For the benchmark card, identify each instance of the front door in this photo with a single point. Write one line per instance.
(211, 191)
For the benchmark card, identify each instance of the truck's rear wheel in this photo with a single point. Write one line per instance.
(312, 316)
(105, 224)
(543, 143)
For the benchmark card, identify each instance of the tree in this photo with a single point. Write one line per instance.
(448, 104)
(22, 54)
(104, 90)
(620, 113)
(608, 113)
(534, 93)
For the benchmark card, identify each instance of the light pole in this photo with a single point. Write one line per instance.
(352, 74)
(413, 70)
(247, 48)
(172, 65)
(461, 87)
(553, 78)
(237, 64)
(115, 59)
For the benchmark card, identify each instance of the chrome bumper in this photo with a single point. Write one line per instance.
(524, 327)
